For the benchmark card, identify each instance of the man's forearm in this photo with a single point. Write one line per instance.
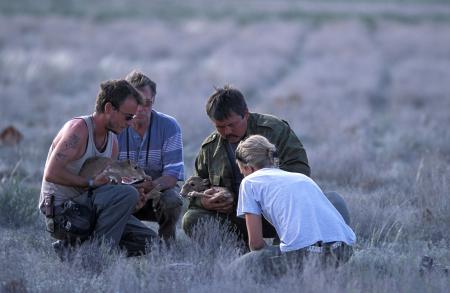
(64, 177)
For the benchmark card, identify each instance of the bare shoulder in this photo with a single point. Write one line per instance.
(76, 125)
(72, 138)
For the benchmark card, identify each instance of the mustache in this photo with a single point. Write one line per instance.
(231, 136)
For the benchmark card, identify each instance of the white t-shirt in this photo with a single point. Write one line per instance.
(295, 206)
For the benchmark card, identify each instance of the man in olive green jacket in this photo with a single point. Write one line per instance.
(216, 160)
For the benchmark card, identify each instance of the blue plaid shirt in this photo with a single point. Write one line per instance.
(165, 155)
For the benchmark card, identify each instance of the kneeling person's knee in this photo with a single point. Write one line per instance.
(170, 199)
(339, 203)
(127, 193)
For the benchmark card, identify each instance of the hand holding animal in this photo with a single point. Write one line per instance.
(196, 186)
(121, 172)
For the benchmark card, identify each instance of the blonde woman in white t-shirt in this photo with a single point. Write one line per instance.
(305, 220)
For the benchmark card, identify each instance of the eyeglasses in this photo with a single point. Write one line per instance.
(127, 116)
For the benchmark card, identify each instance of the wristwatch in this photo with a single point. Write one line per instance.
(91, 185)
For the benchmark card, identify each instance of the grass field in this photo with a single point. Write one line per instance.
(364, 84)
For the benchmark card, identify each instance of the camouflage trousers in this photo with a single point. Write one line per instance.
(166, 213)
(195, 216)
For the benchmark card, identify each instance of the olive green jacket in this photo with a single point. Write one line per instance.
(212, 161)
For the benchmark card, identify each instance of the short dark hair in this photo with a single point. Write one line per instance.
(139, 80)
(116, 92)
(224, 101)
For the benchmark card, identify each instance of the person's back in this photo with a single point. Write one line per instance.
(306, 221)
(297, 208)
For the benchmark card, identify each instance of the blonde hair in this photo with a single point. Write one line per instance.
(257, 152)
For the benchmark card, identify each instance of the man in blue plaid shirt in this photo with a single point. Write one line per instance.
(154, 142)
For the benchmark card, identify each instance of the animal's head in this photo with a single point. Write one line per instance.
(194, 183)
(10, 136)
(127, 170)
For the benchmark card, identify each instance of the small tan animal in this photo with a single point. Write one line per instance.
(120, 172)
(10, 136)
(195, 186)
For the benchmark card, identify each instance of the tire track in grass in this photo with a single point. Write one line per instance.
(292, 62)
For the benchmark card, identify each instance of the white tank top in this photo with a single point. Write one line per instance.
(62, 192)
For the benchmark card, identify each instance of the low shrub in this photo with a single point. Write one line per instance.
(18, 203)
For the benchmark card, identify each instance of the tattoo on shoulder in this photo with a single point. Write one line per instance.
(70, 143)
(61, 156)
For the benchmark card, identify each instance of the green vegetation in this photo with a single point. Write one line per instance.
(18, 203)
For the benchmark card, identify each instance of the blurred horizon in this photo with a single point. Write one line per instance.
(245, 11)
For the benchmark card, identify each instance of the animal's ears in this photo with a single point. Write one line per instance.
(205, 182)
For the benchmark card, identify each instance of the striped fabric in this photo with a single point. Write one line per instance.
(165, 156)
